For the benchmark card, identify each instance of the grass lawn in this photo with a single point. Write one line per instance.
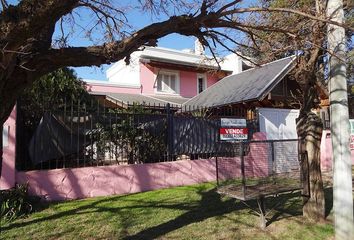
(193, 212)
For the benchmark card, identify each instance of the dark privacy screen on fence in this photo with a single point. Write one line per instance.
(78, 137)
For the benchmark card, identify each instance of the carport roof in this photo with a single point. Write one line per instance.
(252, 84)
(126, 99)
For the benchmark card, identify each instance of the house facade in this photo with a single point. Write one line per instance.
(157, 77)
(160, 75)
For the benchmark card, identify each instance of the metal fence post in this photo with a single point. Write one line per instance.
(243, 179)
(273, 160)
(169, 132)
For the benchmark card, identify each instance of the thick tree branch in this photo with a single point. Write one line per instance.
(19, 23)
(4, 4)
(114, 51)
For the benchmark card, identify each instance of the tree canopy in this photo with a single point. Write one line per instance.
(49, 92)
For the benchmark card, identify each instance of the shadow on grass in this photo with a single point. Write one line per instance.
(210, 205)
(284, 206)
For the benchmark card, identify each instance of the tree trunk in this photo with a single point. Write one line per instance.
(342, 167)
(309, 128)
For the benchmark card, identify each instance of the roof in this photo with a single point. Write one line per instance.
(126, 99)
(178, 57)
(252, 84)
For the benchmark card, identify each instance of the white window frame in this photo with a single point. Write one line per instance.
(202, 75)
(177, 79)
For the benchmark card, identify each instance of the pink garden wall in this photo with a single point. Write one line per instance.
(326, 151)
(256, 161)
(8, 172)
(62, 184)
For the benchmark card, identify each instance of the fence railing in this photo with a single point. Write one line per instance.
(81, 135)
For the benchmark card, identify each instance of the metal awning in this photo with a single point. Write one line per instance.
(126, 99)
(252, 84)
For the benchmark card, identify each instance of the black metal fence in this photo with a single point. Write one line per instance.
(80, 135)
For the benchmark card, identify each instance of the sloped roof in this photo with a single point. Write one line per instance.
(128, 98)
(252, 84)
(178, 57)
(171, 99)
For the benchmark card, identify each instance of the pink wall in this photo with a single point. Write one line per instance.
(259, 155)
(8, 165)
(326, 151)
(188, 81)
(212, 79)
(61, 184)
(105, 87)
(256, 162)
(147, 78)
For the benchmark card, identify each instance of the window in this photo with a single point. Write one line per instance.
(201, 83)
(167, 82)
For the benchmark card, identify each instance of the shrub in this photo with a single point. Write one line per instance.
(15, 202)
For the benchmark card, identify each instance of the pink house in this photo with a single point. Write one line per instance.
(159, 76)
(155, 76)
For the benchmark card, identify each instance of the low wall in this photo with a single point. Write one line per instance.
(62, 184)
(8, 172)
(326, 151)
(75, 183)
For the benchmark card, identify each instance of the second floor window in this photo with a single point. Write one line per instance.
(201, 83)
(167, 82)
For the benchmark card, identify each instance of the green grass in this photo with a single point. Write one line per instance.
(193, 212)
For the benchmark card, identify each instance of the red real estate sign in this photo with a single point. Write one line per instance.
(233, 133)
(351, 142)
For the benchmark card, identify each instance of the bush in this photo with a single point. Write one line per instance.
(15, 203)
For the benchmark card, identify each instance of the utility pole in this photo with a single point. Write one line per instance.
(342, 167)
